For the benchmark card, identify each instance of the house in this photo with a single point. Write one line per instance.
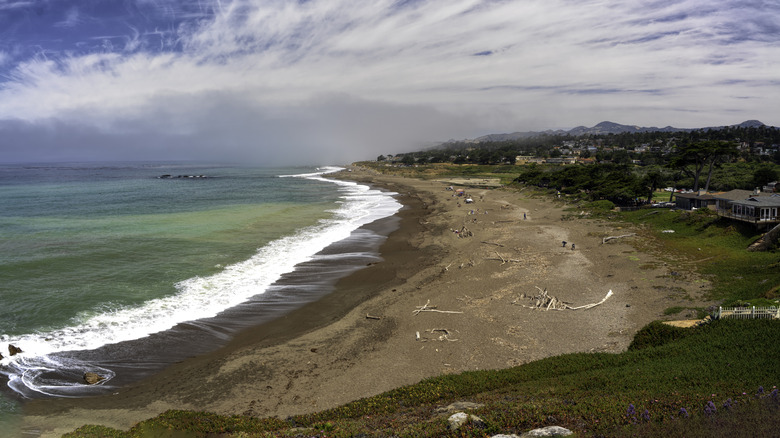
(758, 208)
(689, 201)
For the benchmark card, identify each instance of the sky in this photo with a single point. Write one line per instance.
(280, 82)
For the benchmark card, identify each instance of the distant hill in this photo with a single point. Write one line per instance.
(605, 128)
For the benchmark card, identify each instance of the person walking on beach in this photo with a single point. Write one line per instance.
(564, 244)
(572, 247)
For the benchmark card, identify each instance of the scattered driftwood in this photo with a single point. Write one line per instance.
(607, 239)
(503, 260)
(492, 243)
(372, 317)
(445, 336)
(470, 263)
(548, 302)
(465, 232)
(427, 308)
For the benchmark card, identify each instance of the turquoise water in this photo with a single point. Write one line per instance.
(95, 254)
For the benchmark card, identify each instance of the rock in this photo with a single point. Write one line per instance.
(458, 406)
(458, 419)
(547, 431)
(92, 378)
(13, 350)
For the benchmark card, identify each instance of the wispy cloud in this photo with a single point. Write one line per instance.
(461, 67)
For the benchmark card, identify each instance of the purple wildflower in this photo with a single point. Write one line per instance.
(646, 415)
(728, 403)
(710, 408)
(684, 413)
(631, 413)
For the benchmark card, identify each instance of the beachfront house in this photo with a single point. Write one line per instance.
(693, 200)
(759, 208)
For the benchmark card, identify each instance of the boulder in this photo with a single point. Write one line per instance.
(92, 378)
(13, 350)
(458, 419)
(547, 431)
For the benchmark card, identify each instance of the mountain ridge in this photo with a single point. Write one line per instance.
(607, 127)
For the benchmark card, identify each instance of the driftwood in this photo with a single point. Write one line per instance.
(492, 243)
(427, 308)
(503, 260)
(465, 232)
(445, 336)
(607, 239)
(548, 302)
(372, 317)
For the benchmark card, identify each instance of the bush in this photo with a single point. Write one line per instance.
(655, 334)
(600, 206)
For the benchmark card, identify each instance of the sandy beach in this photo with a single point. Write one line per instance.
(365, 338)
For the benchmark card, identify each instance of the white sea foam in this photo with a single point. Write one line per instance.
(197, 298)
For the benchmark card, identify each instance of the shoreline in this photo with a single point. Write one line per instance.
(328, 353)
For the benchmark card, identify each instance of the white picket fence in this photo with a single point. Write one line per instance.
(749, 312)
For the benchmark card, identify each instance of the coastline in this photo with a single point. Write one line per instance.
(328, 353)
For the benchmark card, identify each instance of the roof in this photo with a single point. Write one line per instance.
(694, 196)
(760, 201)
(738, 195)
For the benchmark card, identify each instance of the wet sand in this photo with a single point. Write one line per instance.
(362, 339)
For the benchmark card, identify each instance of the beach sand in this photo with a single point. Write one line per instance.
(329, 353)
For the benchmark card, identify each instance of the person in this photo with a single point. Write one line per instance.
(523, 216)
(572, 247)
(564, 243)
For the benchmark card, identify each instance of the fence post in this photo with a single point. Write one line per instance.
(720, 312)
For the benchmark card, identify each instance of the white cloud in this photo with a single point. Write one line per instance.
(499, 65)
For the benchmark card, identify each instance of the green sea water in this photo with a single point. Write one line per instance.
(96, 253)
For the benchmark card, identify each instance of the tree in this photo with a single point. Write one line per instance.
(652, 181)
(765, 174)
(692, 158)
(381, 158)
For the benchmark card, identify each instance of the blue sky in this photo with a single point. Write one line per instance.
(282, 81)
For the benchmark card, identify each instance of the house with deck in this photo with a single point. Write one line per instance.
(759, 208)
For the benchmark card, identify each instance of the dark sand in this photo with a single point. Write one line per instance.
(328, 353)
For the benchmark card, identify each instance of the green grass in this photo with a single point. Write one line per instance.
(666, 369)
(673, 378)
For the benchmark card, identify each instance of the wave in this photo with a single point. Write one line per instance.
(31, 372)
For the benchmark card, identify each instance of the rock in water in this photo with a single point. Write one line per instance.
(92, 378)
(13, 350)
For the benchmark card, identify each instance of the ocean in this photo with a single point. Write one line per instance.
(123, 268)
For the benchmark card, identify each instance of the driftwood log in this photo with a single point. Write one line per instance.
(428, 308)
(607, 239)
(545, 301)
(503, 260)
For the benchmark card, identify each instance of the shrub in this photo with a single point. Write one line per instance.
(655, 334)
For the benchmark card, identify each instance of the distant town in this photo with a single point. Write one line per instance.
(732, 171)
